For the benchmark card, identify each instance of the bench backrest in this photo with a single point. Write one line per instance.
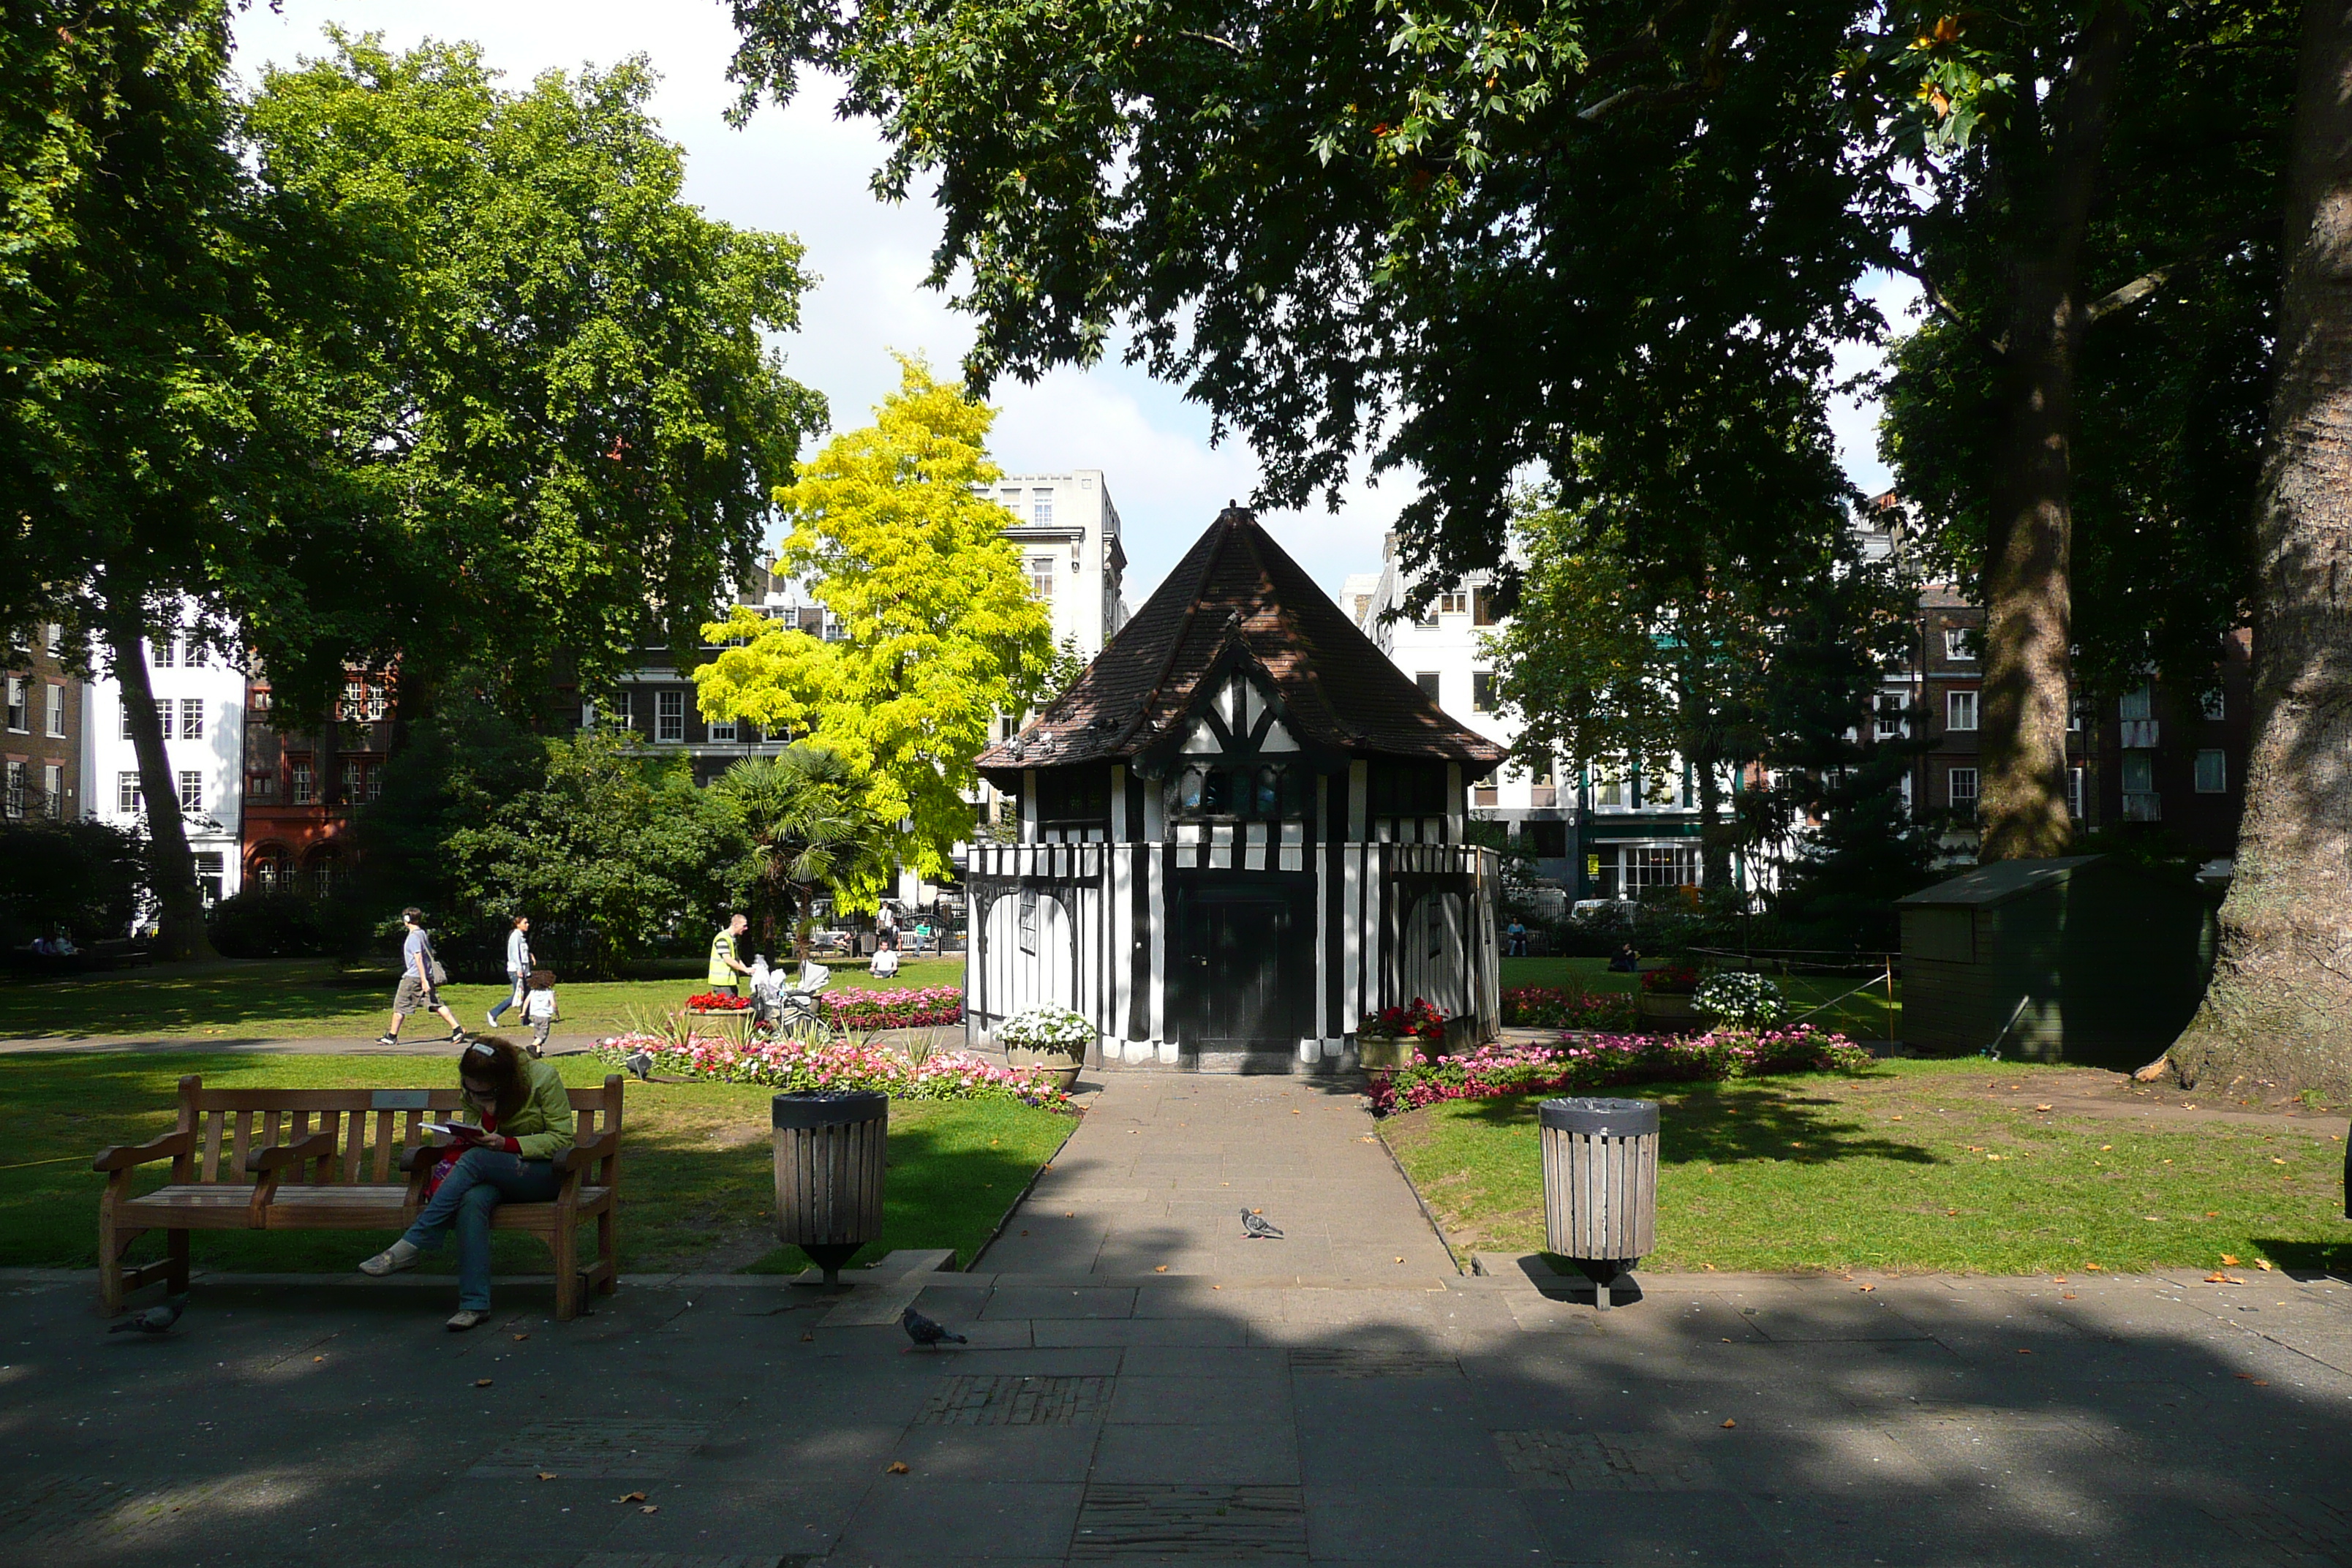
(370, 1126)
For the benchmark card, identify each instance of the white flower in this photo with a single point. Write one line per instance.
(1046, 1026)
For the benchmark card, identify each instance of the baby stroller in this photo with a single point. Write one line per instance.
(778, 1004)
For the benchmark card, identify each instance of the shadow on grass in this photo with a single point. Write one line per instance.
(1727, 1123)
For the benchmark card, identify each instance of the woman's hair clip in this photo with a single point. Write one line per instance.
(473, 1046)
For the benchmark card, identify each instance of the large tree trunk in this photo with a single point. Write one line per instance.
(2029, 593)
(2279, 1010)
(180, 923)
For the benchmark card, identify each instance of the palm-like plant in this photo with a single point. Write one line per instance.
(810, 829)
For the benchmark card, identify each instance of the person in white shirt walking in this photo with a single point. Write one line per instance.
(518, 967)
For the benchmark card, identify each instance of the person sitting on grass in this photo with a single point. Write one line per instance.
(522, 1121)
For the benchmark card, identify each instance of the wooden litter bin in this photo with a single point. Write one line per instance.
(829, 1161)
(1601, 1186)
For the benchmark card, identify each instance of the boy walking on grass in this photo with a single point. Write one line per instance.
(421, 978)
(539, 1009)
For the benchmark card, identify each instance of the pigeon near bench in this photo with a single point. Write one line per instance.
(1256, 1229)
(153, 1320)
(925, 1331)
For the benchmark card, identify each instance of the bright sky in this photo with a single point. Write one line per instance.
(804, 171)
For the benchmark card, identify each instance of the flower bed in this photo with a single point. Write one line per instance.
(1567, 1008)
(1604, 1060)
(912, 1009)
(790, 1065)
(1670, 980)
(1417, 1020)
(717, 1002)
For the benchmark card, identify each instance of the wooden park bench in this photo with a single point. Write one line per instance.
(336, 1159)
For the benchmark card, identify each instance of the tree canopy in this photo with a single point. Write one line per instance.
(889, 530)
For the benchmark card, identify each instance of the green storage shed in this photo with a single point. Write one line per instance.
(2086, 959)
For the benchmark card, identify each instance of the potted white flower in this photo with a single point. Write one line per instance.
(1053, 1037)
(1738, 1000)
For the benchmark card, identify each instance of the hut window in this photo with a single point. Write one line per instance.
(1074, 797)
(1407, 789)
(1029, 920)
(1263, 794)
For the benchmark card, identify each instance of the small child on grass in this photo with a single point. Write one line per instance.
(539, 1009)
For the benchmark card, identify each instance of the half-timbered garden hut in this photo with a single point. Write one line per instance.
(1241, 831)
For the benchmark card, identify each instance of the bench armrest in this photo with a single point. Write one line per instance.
(580, 1156)
(418, 1156)
(124, 1156)
(317, 1146)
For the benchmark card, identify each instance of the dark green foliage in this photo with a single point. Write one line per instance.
(609, 848)
(85, 879)
(254, 923)
(1868, 852)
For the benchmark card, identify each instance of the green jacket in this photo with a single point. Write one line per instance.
(544, 1125)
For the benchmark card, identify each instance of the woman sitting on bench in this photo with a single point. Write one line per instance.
(522, 1121)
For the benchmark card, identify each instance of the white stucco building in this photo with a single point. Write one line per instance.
(200, 698)
(1068, 533)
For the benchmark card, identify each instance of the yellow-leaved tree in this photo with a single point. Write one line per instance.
(891, 532)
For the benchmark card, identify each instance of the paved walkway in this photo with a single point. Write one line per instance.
(1310, 1401)
(1157, 1176)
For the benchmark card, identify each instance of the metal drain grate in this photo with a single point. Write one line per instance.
(588, 1448)
(1232, 1524)
(1601, 1462)
(1014, 1401)
(1348, 1361)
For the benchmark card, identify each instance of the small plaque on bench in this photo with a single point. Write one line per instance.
(401, 1099)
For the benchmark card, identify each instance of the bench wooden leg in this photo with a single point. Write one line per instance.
(565, 1245)
(176, 1255)
(608, 1259)
(112, 1245)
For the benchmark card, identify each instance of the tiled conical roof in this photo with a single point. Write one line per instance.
(1238, 598)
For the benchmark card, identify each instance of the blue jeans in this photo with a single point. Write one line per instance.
(521, 985)
(481, 1181)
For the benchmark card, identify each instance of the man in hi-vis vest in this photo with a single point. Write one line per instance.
(728, 970)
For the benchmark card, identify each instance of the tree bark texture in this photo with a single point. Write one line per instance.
(2279, 1009)
(179, 918)
(2028, 590)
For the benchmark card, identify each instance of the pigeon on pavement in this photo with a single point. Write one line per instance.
(154, 1319)
(1256, 1229)
(641, 1063)
(924, 1332)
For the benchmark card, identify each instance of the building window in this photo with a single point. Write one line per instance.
(127, 798)
(192, 790)
(1543, 790)
(1041, 507)
(159, 654)
(57, 712)
(2078, 709)
(1959, 710)
(1427, 680)
(306, 787)
(2141, 802)
(322, 875)
(257, 700)
(2214, 704)
(669, 715)
(2212, 772)
(1482, 608)
(375, 781)
(192, 718)
(1482, 691)
(2074, 792)
(1484, 795)
(53, 790)
(15, 788)
(262, 787)
(1453, 603)
(1960, 645)
(1961, 789)
(354, 779)
(1890, 716)
(1041, 575)
(1641, 866)
(722, 730)
(57, 638)
(1611, 788)
(1029, 920)
(208, 875)
(2140, 702)
(18, 719)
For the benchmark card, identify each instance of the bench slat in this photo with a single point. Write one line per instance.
(212, 1146)
(240, 1142)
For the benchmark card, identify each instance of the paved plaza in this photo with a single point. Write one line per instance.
(1305, 1400)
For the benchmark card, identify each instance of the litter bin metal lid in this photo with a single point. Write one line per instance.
(829, 1108)
(1612, 1117)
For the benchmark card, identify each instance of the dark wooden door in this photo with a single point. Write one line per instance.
(1245, 972)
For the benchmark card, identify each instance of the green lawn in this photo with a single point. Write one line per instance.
(313, 997)
(697, 1174)
(1907, 1167)
(1866, 1016)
